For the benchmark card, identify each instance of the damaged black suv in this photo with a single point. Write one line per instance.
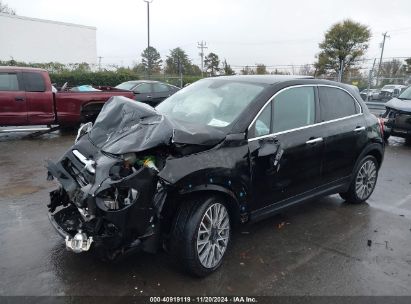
(220, 152)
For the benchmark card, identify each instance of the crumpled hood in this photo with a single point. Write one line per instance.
(399, 104)
(125, 125)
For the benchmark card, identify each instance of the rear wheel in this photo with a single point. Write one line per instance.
(363, 184)
(201, 234)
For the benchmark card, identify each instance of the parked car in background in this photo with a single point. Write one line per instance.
(397, 117)
(220, 152)
(373, 94)
(28, 98)
(390, 91)
(149, 91)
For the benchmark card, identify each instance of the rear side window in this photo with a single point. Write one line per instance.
(336, 103)
(293, 108)
(34, 82)
(9, 82)
(160, 88)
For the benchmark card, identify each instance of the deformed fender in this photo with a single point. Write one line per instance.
(223, 169)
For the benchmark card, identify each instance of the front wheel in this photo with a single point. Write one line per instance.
(364, 181)
(201, 234)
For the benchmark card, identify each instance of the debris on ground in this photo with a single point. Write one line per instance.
(242, 264)
(281, 225)
(369, 243)
(402, 215)
(229, 288)
(245, 232)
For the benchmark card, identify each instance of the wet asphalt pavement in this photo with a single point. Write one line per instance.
(317, 248)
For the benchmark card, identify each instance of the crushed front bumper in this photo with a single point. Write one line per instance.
(79, 213)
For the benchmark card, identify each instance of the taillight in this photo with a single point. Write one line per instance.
(381, 124)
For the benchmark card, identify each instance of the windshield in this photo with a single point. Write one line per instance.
(126, 86)
(212, 102)
(406, 94)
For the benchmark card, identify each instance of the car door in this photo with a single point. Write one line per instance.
(285, 147)
(13, 106)
(39, 99)
(344, 132)
(144, 93)
(160, 92)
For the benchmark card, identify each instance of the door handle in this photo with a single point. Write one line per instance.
(358, 129)
(148, 96)
(19, 98)
(314, 140)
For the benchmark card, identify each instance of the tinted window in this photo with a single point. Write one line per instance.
(8, 82)
(34, 82)
(293, 108)
(143, 88)
(262, 125)
(336, 103)
(160, 88)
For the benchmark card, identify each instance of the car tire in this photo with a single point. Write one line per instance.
(201, 234)
(364, 181)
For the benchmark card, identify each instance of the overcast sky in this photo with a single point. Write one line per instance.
(245, 32)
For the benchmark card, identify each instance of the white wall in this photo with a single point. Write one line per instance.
(38, 41)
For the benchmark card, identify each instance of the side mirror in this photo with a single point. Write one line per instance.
(84, 129)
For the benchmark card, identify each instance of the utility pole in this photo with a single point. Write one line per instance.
(370, 79)
(202, 45)
(180, 71)
(382, 52)
(148, 31)
(99, 62)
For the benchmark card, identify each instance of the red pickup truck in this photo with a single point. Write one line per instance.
(27, 98)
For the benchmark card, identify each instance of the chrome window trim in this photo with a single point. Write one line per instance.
(308, 126)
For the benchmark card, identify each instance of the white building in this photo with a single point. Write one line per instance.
(40, 41)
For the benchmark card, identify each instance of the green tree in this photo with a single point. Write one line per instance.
(407, 67)
(278, 72)
(176, 56)
(151, 61)
(343, 44)
(79, 67)
(227, 68)
(261, 69)
(195, 70)
(247, 71)
(212, 64)
(5, 9)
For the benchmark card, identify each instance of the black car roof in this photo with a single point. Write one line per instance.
(266, 79)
